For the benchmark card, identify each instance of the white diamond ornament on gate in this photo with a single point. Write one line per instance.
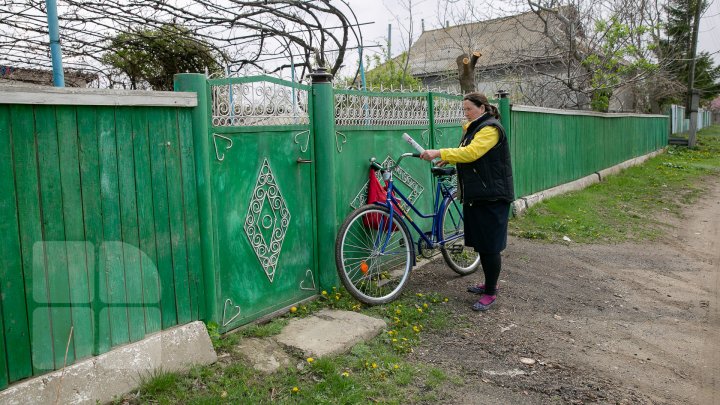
(267, 220)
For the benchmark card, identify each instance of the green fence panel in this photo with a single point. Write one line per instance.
(77, 249)
(552, 147)
(146, 228)
(191, 215)
(88, 189)
(16, 331)
(22, 122)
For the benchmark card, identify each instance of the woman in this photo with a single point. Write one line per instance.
(486, 188)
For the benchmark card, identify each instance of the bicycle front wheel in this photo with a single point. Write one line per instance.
(372, 260)
(462, 259)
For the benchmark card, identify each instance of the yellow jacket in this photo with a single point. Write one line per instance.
(483, 141)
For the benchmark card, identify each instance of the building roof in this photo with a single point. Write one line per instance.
(507, 40)
(43, 77)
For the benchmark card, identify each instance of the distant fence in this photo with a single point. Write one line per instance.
(98, 223)
(679, 124)
(552, 147)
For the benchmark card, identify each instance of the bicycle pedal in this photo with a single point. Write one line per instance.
(455, 249)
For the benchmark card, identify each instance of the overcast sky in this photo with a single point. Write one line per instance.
(384, 12)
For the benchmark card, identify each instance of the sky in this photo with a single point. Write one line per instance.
(384, 12)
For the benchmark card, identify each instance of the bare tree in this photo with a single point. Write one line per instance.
(260, 34)
(558, 53)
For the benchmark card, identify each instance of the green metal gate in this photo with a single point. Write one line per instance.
(262, 193)
(261, 185)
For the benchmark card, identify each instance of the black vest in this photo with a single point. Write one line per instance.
(489, 177)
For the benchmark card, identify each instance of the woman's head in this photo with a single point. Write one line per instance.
(476, 104)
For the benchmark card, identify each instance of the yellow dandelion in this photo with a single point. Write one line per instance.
(346, 374)
(394, 340)
(425, 305)
(420, 310)
(295, 390)
(374, 365)
(445, 300)
(419, 294)
(324, 292)
(293, 309)
(396, 367)
(397, 311)
(310, 359)
(416, 329)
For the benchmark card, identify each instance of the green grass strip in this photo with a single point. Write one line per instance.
(627, 206)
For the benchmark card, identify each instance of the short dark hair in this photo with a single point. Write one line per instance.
(480, 100)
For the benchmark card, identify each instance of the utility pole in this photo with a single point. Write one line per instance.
(55, 51)
(693, 94)
(389, 50)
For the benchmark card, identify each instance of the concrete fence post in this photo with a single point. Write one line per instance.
(323, 107)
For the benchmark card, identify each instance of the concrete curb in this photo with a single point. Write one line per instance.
(101, 378)
(523, 203)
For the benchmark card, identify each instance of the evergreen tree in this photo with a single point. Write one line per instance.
(675, 52)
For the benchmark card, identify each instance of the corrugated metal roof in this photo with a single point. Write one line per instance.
(507, 40)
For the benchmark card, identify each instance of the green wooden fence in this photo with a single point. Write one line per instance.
(99, 227)
(122, 214)
(552, 147)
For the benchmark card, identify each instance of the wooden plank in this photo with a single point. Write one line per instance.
(97, 97)
(129, 218)
(15, 329)
(192, 219)
(146, 226)
(89, 156)
(158, 152)
(29, 223)
(111, 259)
(77, 248)
(53, 227)
(176, 216)
(4, 379)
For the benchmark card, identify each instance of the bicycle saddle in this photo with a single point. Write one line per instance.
(443, 171)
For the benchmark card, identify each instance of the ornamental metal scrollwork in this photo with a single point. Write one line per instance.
(376, 109)
(307, 140)
(217, 153)
(234, 308)
(257, 104)
(424, 135)
(447, 110)
(267, 220)
(338, 145)
(308, 272)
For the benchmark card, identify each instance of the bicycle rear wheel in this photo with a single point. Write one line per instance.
(373, 263)
(462, 259)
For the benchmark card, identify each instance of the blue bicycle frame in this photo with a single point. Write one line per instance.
(443, 196)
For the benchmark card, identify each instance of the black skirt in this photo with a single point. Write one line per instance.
(486, 224)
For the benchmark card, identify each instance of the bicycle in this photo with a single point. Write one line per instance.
(374, 251)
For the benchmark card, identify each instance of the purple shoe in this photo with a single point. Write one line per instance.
(484, 303)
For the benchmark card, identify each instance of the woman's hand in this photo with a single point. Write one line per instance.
(430, 154)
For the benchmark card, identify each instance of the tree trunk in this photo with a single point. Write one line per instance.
(466, 71)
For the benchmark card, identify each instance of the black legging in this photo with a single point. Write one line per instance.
(491, 268)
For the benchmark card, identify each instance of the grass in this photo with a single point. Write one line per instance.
(627, 206)
(374, 371)
(623, 207)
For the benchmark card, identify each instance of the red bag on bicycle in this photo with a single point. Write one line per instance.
(376, 193)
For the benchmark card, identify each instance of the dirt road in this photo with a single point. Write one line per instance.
(618, 324)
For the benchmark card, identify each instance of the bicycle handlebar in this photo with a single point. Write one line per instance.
(390, 168)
